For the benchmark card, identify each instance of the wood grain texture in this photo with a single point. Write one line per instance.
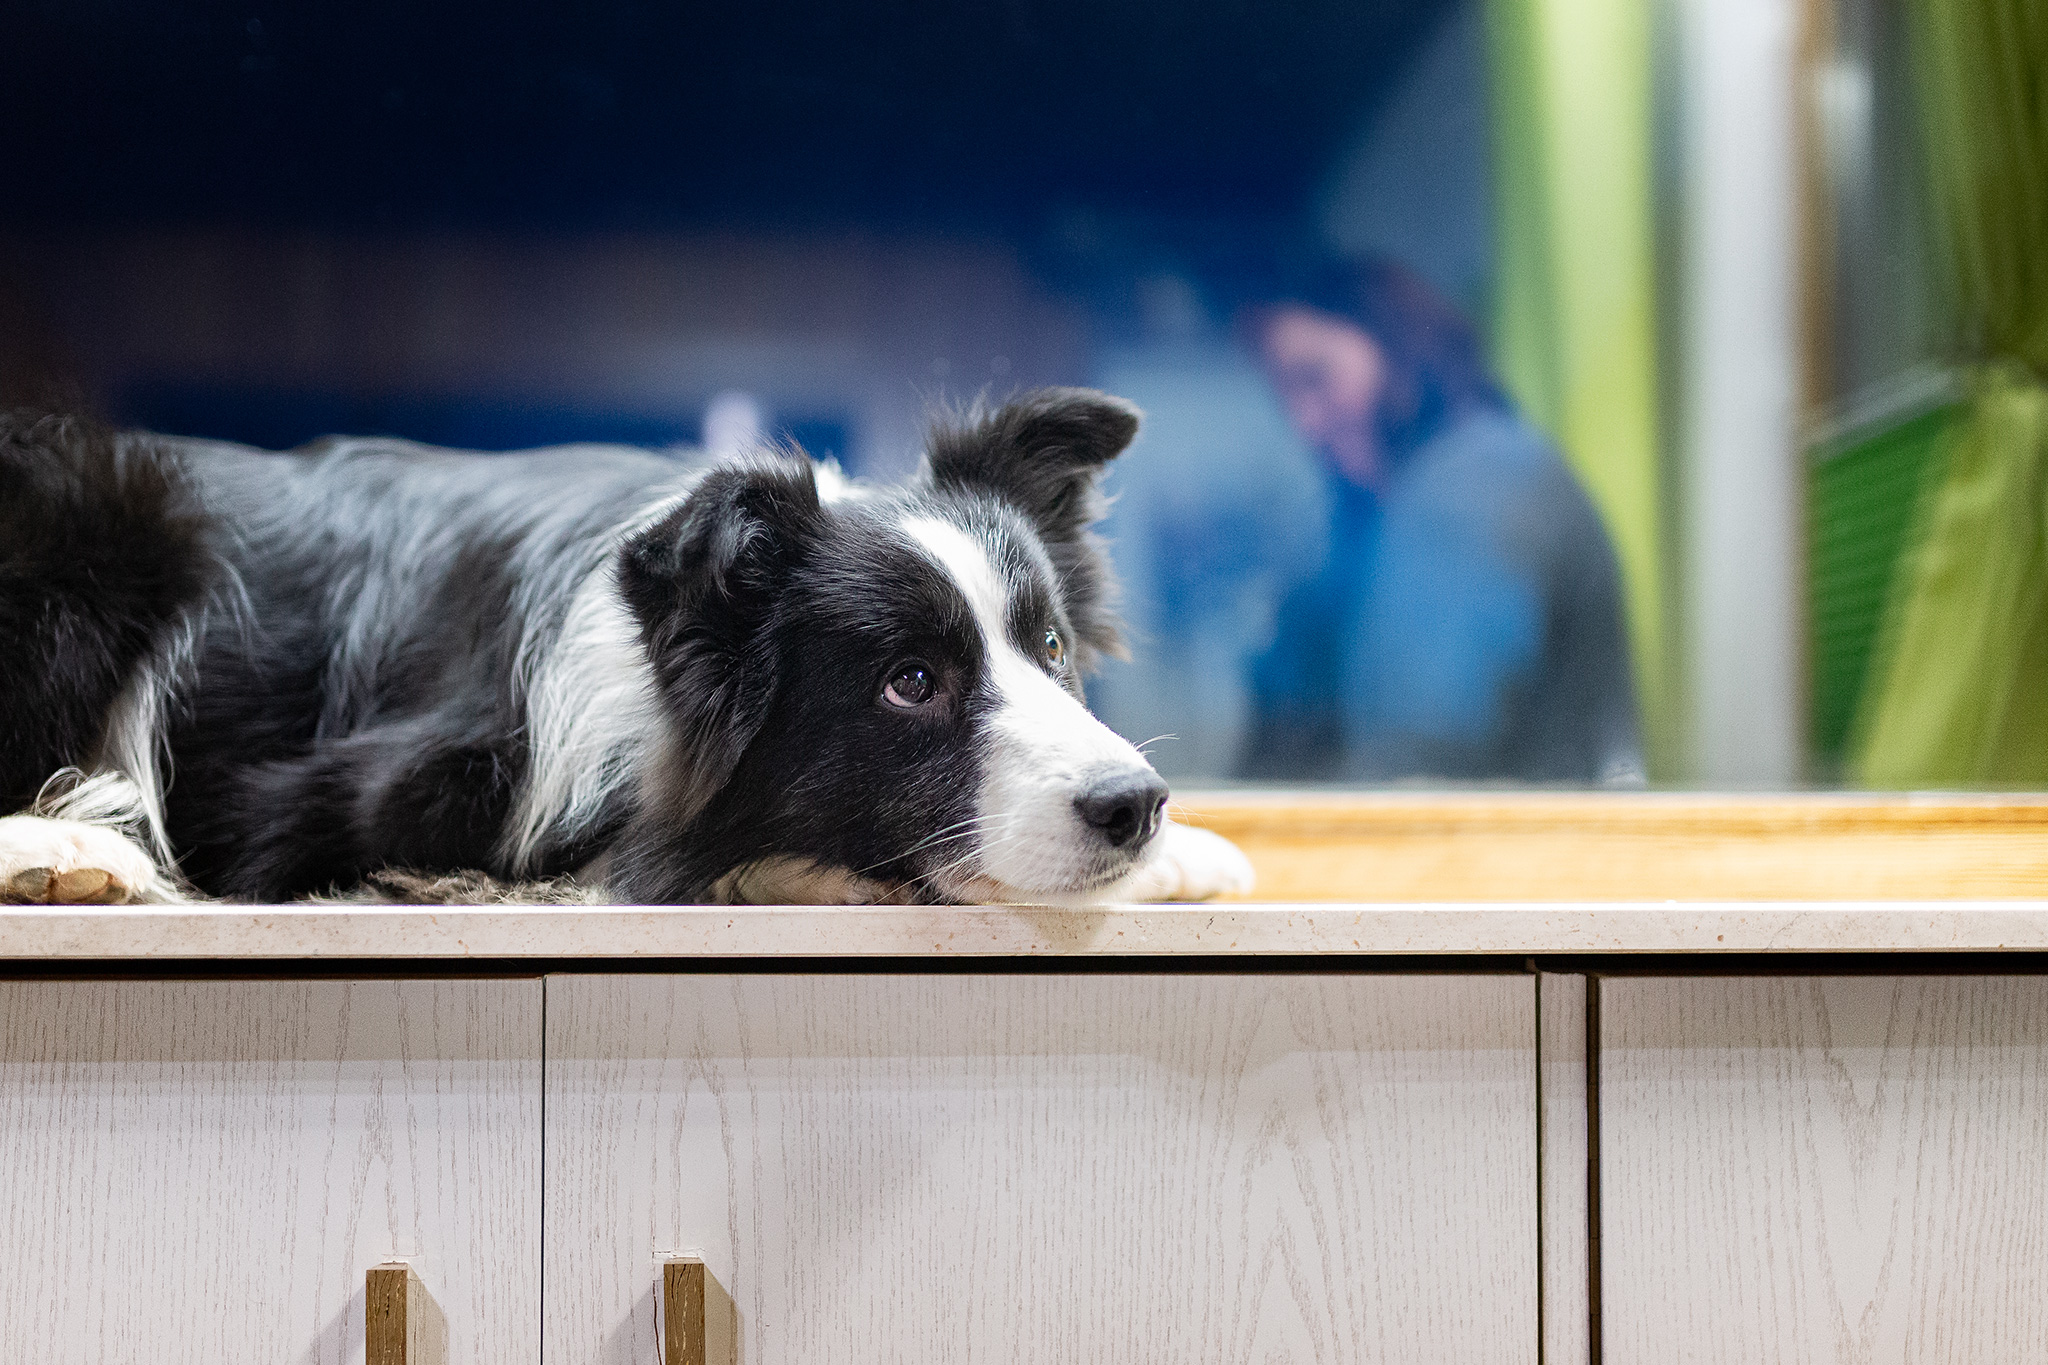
(1103, 1169)
(682, 1313)
(387, 1325)
(1567, 1302)
(697, 1319)
(1586, 846)
(1849, 1169)
(401, 1324)
(205, 1172)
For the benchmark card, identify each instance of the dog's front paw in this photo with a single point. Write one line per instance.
(1188, 864)
(64, 862)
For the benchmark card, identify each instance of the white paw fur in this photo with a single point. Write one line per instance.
(68, 862)
(1188, 864)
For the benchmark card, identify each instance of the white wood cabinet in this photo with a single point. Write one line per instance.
(1087, 1168)
(1844, 1169)
(204, 1172)
(999, 1166)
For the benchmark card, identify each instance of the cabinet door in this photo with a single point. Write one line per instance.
(1088, 1168)
(1842, 1169)
(204, 1172)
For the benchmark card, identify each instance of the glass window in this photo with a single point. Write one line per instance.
(1535, 393)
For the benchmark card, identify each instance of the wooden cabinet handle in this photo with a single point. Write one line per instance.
(401, 1323)
(698, 1322)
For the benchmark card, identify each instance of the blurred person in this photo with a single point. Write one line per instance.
(1466, 622)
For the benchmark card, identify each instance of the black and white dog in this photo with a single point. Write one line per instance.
(750, 680)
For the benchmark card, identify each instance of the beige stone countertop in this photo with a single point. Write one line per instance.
(566, 933)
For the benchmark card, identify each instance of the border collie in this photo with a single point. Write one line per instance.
(750, 680)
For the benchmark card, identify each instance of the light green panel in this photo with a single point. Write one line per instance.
(1574, 312)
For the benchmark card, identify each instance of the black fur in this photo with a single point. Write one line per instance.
(1045, 454)
(99, 552)
(705, 583)
(361, 623)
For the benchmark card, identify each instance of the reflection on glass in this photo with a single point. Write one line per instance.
(1318, 247)
(1440, 597)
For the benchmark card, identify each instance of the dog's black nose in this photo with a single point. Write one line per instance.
(1126, 808)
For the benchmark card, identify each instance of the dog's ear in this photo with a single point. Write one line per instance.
(1044, 453)
(703, 583)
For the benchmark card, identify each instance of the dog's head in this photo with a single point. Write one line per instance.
(877, 694)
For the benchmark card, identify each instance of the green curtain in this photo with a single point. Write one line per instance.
(1960, 692)
(1574, 325)
(1862, 490)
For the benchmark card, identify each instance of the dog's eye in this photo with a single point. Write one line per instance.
(1055, 648)
(912, 687)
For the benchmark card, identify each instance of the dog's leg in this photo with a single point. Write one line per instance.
(1188, 864)
(780, 880)
(74, 848)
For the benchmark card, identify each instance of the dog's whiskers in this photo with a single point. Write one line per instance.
(938, 874)
(972, 854)
(959, 829)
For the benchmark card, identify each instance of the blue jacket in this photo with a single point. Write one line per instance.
(1466, 624)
